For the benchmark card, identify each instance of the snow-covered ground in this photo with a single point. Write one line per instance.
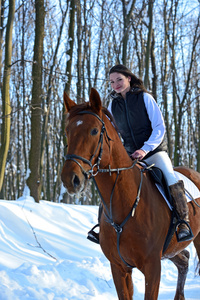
(44, 255)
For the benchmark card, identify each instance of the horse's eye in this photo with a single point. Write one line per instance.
(94, 131)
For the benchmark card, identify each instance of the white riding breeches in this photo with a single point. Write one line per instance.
(162, 161)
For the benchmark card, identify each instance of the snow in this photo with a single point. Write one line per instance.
(44, 255)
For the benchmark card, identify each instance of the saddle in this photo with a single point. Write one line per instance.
(158, 177)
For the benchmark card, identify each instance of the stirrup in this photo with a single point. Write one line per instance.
(187, 237)
(93, 236)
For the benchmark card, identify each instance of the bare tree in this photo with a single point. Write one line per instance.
(127, 12)
(198, 132)
(79, 48)
(70, 46)
(6, 107)
(33, 180)
(148, 47)
(2, 9)
(45, 126)
(165, 75)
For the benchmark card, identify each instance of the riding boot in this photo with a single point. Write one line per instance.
(92, 235)
(180, 203)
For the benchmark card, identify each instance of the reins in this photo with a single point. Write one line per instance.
(91, 174)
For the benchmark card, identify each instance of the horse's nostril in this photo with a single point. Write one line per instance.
(76, 181)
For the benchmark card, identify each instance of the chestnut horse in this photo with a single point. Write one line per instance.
(96, 151)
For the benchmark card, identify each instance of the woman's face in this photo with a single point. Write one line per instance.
(120, 83)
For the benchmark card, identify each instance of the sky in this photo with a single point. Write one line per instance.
(44, 255)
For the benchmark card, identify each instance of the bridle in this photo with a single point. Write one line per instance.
(74, 157)
(91, 174)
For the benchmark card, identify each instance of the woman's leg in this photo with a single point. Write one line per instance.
(162, 161)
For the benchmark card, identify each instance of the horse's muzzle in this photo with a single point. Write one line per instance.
(73, 182)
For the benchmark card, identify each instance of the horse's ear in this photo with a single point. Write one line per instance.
(95, 100)
(68, 102)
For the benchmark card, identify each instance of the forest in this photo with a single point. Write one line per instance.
(48, 47)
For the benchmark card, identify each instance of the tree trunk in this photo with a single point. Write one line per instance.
(164, 79)
(148, 48)
(45, 129)
(70, 46)
(6, 107)
(2, 5)
(24, 88)
(153, 66)
(98, 63)
(33, 181)
(79, 50)
(198, 139)
(176, 115)
(126, 21)
(69, 53)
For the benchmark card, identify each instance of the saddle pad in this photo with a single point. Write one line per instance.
(191, 190)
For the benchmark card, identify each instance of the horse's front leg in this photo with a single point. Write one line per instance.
(123, 282)
(152, 273)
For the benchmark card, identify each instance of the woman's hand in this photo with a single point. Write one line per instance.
(138, 154)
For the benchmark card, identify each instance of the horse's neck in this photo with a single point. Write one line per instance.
(124, 186)
(119, 156)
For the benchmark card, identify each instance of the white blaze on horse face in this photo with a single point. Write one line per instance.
(79, 123)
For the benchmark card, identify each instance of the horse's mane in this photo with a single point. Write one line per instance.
(110, 117)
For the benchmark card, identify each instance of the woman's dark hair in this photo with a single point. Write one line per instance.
(135, 81)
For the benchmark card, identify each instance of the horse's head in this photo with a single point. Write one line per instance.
(86, 132)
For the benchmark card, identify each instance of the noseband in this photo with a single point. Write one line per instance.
(74, 157)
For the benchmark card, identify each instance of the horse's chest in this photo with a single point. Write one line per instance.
(111, 245)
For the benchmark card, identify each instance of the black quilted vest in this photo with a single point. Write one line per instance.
(133, 122)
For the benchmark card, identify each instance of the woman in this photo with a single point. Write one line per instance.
(142, 128)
